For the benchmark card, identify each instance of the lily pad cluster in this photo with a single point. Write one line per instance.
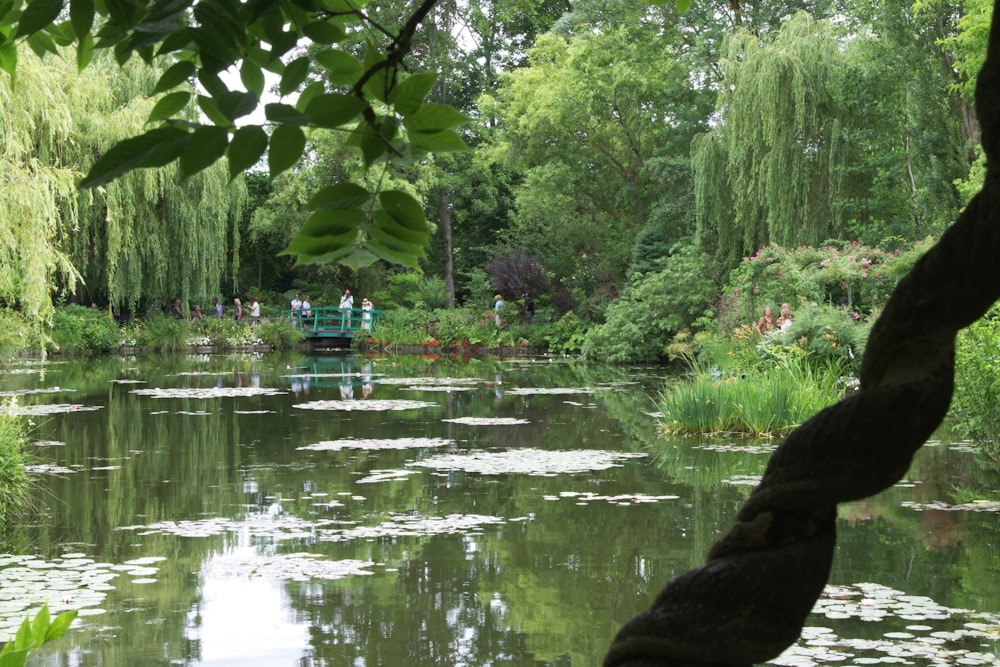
(528, 461)
(487, 421)
(924, 631)
(585, 498)
(70, 582)
(374, 444)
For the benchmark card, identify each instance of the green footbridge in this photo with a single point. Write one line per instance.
(331, 322)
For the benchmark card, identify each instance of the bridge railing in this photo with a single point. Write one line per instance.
(352, 321)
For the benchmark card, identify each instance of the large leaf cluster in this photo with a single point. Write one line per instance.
(200, 119)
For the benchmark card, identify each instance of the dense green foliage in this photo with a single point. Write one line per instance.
(13, 477)
(83, 330)
(976, 404)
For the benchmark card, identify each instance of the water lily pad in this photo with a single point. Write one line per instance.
(447, 388)
(539, 462)
(26, 392)
(53, 409)
(372, 405)
(553, 391)
(295, 567)
(373, 444)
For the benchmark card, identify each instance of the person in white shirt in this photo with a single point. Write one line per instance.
(346, 306)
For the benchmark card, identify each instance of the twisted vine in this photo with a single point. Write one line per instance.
(750, 599)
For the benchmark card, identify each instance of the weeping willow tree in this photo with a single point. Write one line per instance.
(145, 235)
(770, 170)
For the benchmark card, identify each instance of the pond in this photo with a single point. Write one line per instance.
(358, 512)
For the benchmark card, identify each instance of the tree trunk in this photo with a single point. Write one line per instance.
(444, 215)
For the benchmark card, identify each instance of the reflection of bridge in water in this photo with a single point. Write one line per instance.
(330, 322)
(355, 380)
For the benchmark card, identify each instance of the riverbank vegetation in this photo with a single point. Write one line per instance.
(623, 168)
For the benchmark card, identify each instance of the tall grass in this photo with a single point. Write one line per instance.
(755, 403)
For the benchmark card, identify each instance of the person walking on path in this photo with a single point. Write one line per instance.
(346, 306)
(497, 307)
(239, 315)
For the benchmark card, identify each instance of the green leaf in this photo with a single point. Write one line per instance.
(207, 145)
(403, 208)
(438, 142)
(284, 114)
(305, 97)
(285, 149)
(430, 118)
(372, 148)
(168, 105)
(411, 91)
(23, 637)
(210, 108)
(295, 73)
(332, 110)
(41, 44)
(81, 15)
(683, 5)
(246, 148)
(38, 15)
(60, 625)
(8, 60)
(340, 196)
(14, 658)
(252, 77)
(343, 6)
(377, 86)
(84, 52)
(344, 68)
(235, 104)
(40, 626)
(152, 149)
(332, 223)
(175, 75)
(324, 32)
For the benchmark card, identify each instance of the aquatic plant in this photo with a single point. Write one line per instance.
(770, 403)
(34, 634)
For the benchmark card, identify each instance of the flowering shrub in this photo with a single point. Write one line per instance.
(850, 274)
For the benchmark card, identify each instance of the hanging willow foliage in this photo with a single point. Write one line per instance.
(143, 236)
(770, 170)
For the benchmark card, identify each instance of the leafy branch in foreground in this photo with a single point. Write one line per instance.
(195, 122)
(33, 635)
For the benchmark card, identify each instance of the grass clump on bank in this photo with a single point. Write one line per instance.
(757, 390)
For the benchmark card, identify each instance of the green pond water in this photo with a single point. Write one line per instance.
(259, 510)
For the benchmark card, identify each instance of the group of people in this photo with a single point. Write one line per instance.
(302, 311)
(218, 310)
(767, 323)
(529, 308)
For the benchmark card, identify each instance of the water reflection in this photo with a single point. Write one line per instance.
(466, 520)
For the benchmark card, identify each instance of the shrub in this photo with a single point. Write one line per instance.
(640, 326)
(164, 334)
(83, 330)
(827, 334)
(976, 403)
(13, 478)
(279, 334)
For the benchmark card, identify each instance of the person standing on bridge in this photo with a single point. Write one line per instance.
(296, 307)
(346, 306)
(306, 310)
(366, 314)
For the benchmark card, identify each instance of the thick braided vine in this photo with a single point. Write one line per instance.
(750, 599)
